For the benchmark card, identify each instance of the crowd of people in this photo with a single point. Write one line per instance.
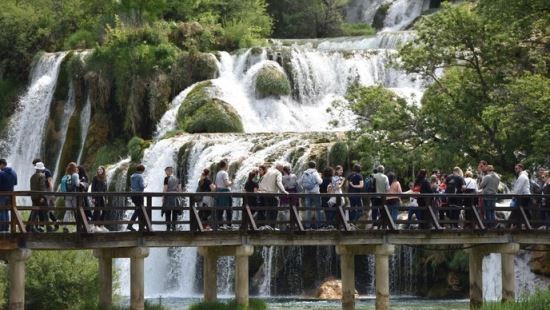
(320, 212)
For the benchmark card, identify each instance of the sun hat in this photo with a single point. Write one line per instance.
(39, 166)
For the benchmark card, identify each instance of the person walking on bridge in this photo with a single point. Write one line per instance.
(170, 204)
(137, 185)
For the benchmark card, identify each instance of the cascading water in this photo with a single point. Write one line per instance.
(317, 106)
(68, 111)
(85, 118)
(398, 14)
(24, 140)
(526, 281)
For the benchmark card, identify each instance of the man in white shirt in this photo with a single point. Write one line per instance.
(272, 182)
(382, 186)
(521, 187)
(223, 184)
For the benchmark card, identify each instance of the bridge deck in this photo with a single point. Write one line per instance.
(62, 241)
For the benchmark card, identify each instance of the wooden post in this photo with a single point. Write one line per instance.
(137, 294)
(105, 279)
(241, 273)
(347, 267)
(210, 274)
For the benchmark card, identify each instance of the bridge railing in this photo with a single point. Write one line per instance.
(44, 211)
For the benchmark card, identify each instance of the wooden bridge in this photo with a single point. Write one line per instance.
(363, 237)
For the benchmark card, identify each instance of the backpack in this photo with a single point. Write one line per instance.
(67, 184)
(309, 181)
(370, 184)
(39, 182)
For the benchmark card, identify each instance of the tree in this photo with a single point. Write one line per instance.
(474, 60)
(307, 18)
(387, 129)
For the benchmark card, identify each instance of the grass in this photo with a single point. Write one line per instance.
(539, 300)
(253, 304)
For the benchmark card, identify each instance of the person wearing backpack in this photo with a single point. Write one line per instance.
(355, 185)
(170, 203)
(310, 181)
(69, 184)
(454, 185)
(39, 183)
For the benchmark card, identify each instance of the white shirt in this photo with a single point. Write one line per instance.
(470, 183)
(522, 186)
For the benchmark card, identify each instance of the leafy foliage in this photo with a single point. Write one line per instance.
(495, 56)
(307, 18)
(52, 284)
(387, 128)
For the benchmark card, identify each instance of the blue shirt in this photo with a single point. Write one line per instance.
(136, 182)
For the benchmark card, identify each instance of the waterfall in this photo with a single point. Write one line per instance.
(85, 118)
(265, 285)
(27, 126)
(68, 110)
(526, 281)
(399, 14)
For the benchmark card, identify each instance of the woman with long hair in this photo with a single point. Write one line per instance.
(206, 186)
(393, 202)
(99, 185)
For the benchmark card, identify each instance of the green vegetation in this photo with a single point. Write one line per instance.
(9, 90)
(494, 90)
(539, 300)
(388, 128)
(272, 81)
(136, 146)
(200, 112)
(307, 18)
(253, 304)
(51, 282)
(357, 29)
(380, 16)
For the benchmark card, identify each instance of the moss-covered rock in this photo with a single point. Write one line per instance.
(190, 68)
(338, 154)
(200, 112)
(271, 80)
(380, 16)
(136, 147)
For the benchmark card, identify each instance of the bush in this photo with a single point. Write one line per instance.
(80, 39)
(51, 282)
(271, 80)
(357, 29)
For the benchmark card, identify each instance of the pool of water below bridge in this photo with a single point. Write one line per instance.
(363, 303)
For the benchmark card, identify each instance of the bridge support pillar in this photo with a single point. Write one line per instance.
(508, 252)
(347, 261)
(137, 259)
(210, 270)
(476, 277)
(16, 259)
(382, 254)
(241, 273)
